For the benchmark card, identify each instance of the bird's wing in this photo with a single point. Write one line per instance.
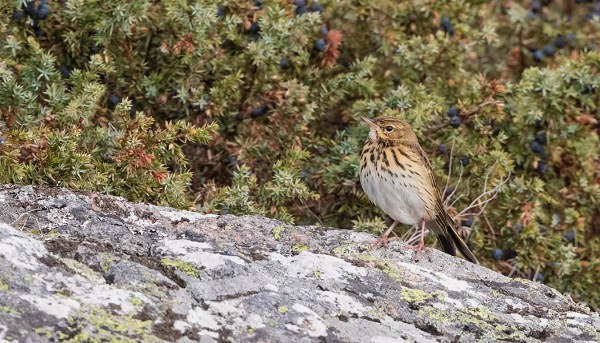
(444, 226)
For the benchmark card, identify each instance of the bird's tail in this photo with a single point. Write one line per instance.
(450, 240)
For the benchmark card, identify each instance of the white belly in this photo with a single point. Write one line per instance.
(399, 199)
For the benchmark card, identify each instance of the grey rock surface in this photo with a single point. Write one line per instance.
(79, 267)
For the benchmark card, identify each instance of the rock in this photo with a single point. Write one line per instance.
(89, 267)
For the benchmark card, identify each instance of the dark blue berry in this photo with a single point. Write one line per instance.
(455, 121)
(453, 112)
(571, 36)
(588, 89)
(299, 3)
(300, 10)
(259, 4)
(65, 72)
(538, 55)
(536, 6)
(446, 25)
(18, 15)
(30, 8)
(554, 264)
(259, 111)
(316, 8)
(531, 15)
(570, 235)
(442, 149)
(539, 277)
(542, 167)
(221, 11)
(510, 253)
(304, 175)
(497, 254)
(467, 222)
(132, 110)
(284, 63)
(537, 148)
(43, 12)
(1, 140)
(463, 160)
(320, 45)
(548, 50)
(541, 138)
(113, 100)
(38, 31)
(324, 30)
(254, 28)
(560, 42)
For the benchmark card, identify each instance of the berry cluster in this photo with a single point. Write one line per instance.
(302, 7)
(537, 146)
(446, 26)
(36, 10)
(454, 113)
(550, 49)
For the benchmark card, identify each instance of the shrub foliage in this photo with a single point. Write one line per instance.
(123, 97)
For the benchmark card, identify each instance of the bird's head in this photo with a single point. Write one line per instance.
(389, 129)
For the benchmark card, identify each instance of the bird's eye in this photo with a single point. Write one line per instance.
(389, 128)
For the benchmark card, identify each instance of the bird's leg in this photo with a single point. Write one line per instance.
(383, 239)
(421, 246)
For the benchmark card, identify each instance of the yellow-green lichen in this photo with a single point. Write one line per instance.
(436, 315)
(412, 295)
(496, 293)
(299, 248)
(346, 249)
(385, 266)
(136, 301)
(481, 318)
(3, 285)
(45, 332)
(100, 325)
(277, 232)
(282, 309)
(182, 266)
(317, 274)
(82, 270)
(9, 310)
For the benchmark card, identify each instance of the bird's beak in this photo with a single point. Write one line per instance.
(369, 122)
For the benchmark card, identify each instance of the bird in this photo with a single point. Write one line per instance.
(397, 177)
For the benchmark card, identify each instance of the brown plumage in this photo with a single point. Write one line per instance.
(397, 176)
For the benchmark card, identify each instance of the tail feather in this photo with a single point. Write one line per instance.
(444, 228)
(447, 245)
(461, 245)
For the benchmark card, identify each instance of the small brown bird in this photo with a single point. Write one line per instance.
(397, 176)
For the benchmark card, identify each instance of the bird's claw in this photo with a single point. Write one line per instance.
(382, 241)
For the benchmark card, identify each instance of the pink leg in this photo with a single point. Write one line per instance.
(383, 239)
(421, 246)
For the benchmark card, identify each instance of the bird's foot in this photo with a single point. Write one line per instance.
(418, 249)
(382, 241)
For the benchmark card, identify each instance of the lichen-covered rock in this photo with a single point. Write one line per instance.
(80, 267)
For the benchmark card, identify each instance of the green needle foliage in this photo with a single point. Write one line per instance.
(122, 97)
